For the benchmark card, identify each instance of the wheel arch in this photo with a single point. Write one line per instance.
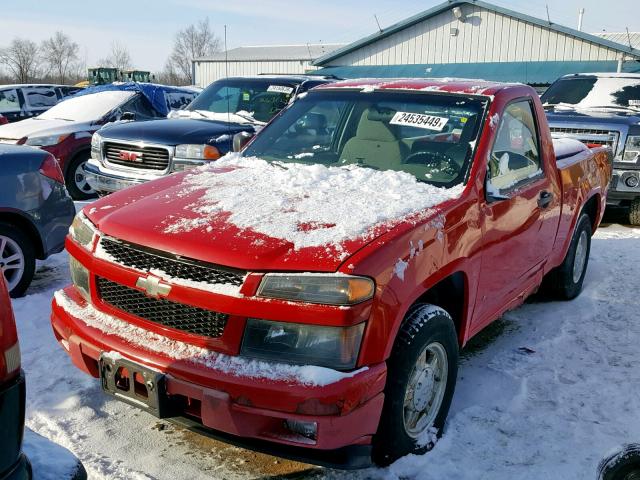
(592, 207)
(80, 151)
(27, 226)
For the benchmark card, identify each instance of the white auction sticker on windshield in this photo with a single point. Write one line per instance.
(280, 89)
(419, 120)
(634, 103)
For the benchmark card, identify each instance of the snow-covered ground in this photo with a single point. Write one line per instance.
(544, 393)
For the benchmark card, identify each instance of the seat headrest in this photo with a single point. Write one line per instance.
(372, 126)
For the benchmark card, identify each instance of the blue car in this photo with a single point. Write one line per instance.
(129, 154)
(35, 212)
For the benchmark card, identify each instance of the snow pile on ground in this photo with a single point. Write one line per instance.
(308, 205)
(226, 364)
(87, 107)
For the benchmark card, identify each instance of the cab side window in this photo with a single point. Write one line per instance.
(515, 157)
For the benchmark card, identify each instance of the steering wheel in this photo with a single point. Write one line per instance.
(438, 161)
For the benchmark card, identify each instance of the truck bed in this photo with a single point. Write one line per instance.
(584, 172)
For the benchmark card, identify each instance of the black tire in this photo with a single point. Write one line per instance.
(77, 187)
(26, 247)
(634, 212)
(423, 326)
(560, 282)
(623, 465)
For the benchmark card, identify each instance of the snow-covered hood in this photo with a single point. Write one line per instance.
(254, 215)
(35, 127)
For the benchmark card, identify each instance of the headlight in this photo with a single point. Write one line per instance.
(46, 141)
(80, 277)
(197, 152)
(326, 289)
(82, 231)
(95, 146)
(631, 149)
(332, 347)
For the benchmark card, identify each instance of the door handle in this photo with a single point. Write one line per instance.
(545, 199)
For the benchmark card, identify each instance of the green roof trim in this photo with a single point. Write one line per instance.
(409, 22)
(533, 73)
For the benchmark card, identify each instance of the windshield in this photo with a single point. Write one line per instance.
(87, 108)
(430, 136)
(258, 99)
(591, 92)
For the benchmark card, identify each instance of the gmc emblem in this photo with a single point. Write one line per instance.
(130, 156)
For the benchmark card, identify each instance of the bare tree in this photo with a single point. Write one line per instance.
(60, 54)
(119, 57)
(21, 58)
(196, 40)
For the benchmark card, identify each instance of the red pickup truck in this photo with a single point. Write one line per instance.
(309, 296)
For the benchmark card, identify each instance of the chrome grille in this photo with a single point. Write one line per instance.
(594, 136)
(135, 156)
(174, 266)
(163, 312)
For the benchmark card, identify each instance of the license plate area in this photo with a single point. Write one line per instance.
(136, 385)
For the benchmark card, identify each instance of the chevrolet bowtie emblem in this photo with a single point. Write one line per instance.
(153, 287)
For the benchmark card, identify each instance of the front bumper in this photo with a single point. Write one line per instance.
(106, 181)
(13, 464)
(248, 411)
(623, 186)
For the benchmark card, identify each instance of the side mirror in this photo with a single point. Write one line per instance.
(128, 116)
(241, 139)
(492, 194)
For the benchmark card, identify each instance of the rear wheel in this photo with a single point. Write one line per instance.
(566, 280)
(421, 378)
(17, 259)
(634, 212)
(76, 178)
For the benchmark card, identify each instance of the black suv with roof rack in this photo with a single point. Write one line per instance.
(132, 153)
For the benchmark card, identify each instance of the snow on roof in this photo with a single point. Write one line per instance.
(623, 38)
(87, 108)
(273, 52)
(307, 205)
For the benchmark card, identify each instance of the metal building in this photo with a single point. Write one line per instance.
(254, 60)
(476, 39)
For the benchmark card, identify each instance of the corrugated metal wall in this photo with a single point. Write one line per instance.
(484, 36)
(210, 71)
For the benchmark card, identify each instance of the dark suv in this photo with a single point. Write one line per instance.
(604, 109)
(129, 154)
(18, 102)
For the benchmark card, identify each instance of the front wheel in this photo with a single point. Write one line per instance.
(76, 178)
(421, 377)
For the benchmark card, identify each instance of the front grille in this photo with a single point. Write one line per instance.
(163, 312)
(594, 136)
(174, 266)
(146, 158)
